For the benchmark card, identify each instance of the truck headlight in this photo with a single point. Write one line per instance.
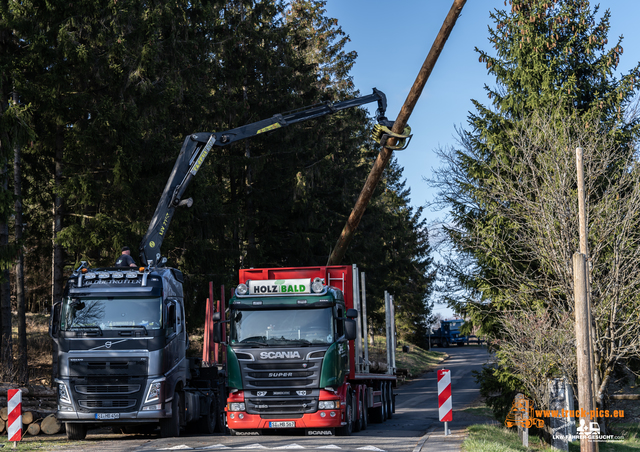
(242, 289)
(328, 404)
(237, 406)
(317, 286)
(63, 393)
(155, 389)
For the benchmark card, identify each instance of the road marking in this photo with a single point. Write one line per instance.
(180, 447)
(329, 446)
(290, 446)
(253, 446)
(374, 448)
(215, 446)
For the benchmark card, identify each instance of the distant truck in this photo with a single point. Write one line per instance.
(448, 334)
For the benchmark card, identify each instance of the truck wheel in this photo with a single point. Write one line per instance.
(357, 424)
(207, 423)
(365, 414)
(389, 400)
(348, 411)
(76, 432)
(170, 428)
(460, 344)
(445, 344)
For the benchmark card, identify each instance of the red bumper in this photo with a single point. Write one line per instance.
(313, 420)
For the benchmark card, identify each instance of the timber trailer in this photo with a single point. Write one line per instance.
(120, 336)
(297, 355)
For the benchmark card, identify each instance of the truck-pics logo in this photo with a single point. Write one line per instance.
(279, 355)
(522, 414)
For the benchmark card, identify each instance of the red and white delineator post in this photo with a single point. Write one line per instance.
(445, 405)
(14, 420)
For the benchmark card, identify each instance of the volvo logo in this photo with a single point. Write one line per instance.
(107, 344)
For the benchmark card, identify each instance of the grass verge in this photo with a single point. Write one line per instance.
(497, 438)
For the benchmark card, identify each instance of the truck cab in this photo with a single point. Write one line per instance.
(288, 355)
(121, 345)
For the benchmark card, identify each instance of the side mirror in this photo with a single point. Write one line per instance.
(54, 321)
(352, 313)
(217, 332)
(350, 329)
(215, 317)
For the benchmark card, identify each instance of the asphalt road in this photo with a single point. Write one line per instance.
(416, 412)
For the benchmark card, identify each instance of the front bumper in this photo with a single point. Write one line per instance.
(310, 420)
(132, 417)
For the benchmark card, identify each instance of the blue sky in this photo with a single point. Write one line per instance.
(392, 40)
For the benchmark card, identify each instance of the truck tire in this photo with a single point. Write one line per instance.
(445, 344)
(76, 432)
(208, 423)
(365, 413)
(348, 410)
(357, 424)
(170, 428)
(460, 344)
(389, 393)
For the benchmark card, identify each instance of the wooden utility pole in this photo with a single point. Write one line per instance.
(398, 127)
(584, 249)
(583, 347)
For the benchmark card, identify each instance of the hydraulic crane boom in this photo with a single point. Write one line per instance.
(196, 147)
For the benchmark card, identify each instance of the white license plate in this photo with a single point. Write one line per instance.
(288, 424)
(107, 415)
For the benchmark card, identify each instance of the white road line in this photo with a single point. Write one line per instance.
(290, 446)
(180, 447)
(374, 448)
(215, 446)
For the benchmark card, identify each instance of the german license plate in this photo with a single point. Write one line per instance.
(107, 415)
(288, 424)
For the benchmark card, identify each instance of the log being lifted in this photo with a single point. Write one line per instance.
(398, 127)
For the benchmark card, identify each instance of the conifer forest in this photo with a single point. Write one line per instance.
(96, 98)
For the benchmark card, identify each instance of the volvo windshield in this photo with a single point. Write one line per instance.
(111, 313)
(278, 327)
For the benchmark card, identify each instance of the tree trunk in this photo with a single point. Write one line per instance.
(6, 351)
(57, 264)
(23, 370)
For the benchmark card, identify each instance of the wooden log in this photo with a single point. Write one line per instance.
(4, 413)
(27, 417)
(30, 391)
(625, 396)
(50, 425)
(3, 424)
(34, 428)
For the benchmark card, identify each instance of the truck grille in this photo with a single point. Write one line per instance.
(274, 388)
(107, 403)
(107, 389)
(115, 394)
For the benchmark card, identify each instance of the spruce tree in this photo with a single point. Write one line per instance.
(549, 56)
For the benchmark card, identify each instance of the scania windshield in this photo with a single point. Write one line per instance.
(278, 327)
(111, 313)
